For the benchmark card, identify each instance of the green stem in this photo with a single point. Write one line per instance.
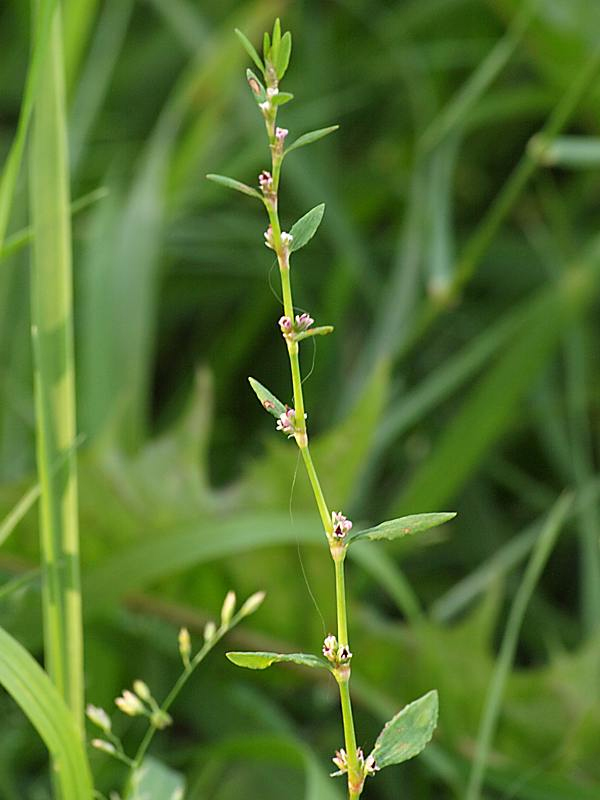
(316, 487)
(340, 597)
(172, 696)
(355, 777)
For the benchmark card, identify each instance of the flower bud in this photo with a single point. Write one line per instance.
(228, 609)
(252, 603)
(142, 690)
(102, 744)
(209, 630)
(185, 646)
(129, 704)
(98, 717)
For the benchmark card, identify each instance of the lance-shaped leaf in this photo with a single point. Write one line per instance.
(282, 98)
(306, 227)
(404, 526)
(322, 330)
(258, 90)
(406, 734)
(283, 57)
(231, 183)
(309, 138)
(275, 41)
(249, 48)
(268, 401)
(264, 660)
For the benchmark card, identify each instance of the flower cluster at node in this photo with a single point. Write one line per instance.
(265, 181)
(341, 525)
(286, 239)
(280, 134)
(287, 421)
(336, 653)
(299, 325)
(366, 765)
(267, 106)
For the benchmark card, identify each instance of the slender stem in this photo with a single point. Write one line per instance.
(340, 596)
(316, 487)
(355, 776)
(136, 762)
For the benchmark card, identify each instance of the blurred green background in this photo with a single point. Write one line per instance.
(459, 263)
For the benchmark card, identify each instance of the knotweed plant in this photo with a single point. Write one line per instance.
(411, 729)
(139, 701)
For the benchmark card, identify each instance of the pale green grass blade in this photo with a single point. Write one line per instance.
(490, 406)
(454, 114)
(10, 171)
(79, 16)
(152, 559)
(570, 152)
(21, 238)
(30, 687)
(52, 335)
(505, 559)
(493, 702)
(106, 45)
(185, 22)
(16, 514)
(578, 387)
(479, 242)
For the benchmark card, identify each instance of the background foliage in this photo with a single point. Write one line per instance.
(459, 263)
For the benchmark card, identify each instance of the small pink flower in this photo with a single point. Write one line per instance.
(341, 525)
(287, 422)
(330, 648)
(303, 322)
(280, 134)
(341, 761)
(265, 180)
(286, 325)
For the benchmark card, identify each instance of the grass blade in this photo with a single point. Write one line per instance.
(491, 710)
(52, 335)
(30, 687)
(12, 165)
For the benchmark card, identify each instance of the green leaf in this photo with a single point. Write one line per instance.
(282, 98)
(266, 46)
(264, 660)
(255, 84)
(275, 41)
(406, 734)
(283, 57)
(322, 330)
(231, 183)
(31, 688)
(404, 526)
(305, 228)
(249, 48)
(309, 138)
(268, 401)
(154, 781)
